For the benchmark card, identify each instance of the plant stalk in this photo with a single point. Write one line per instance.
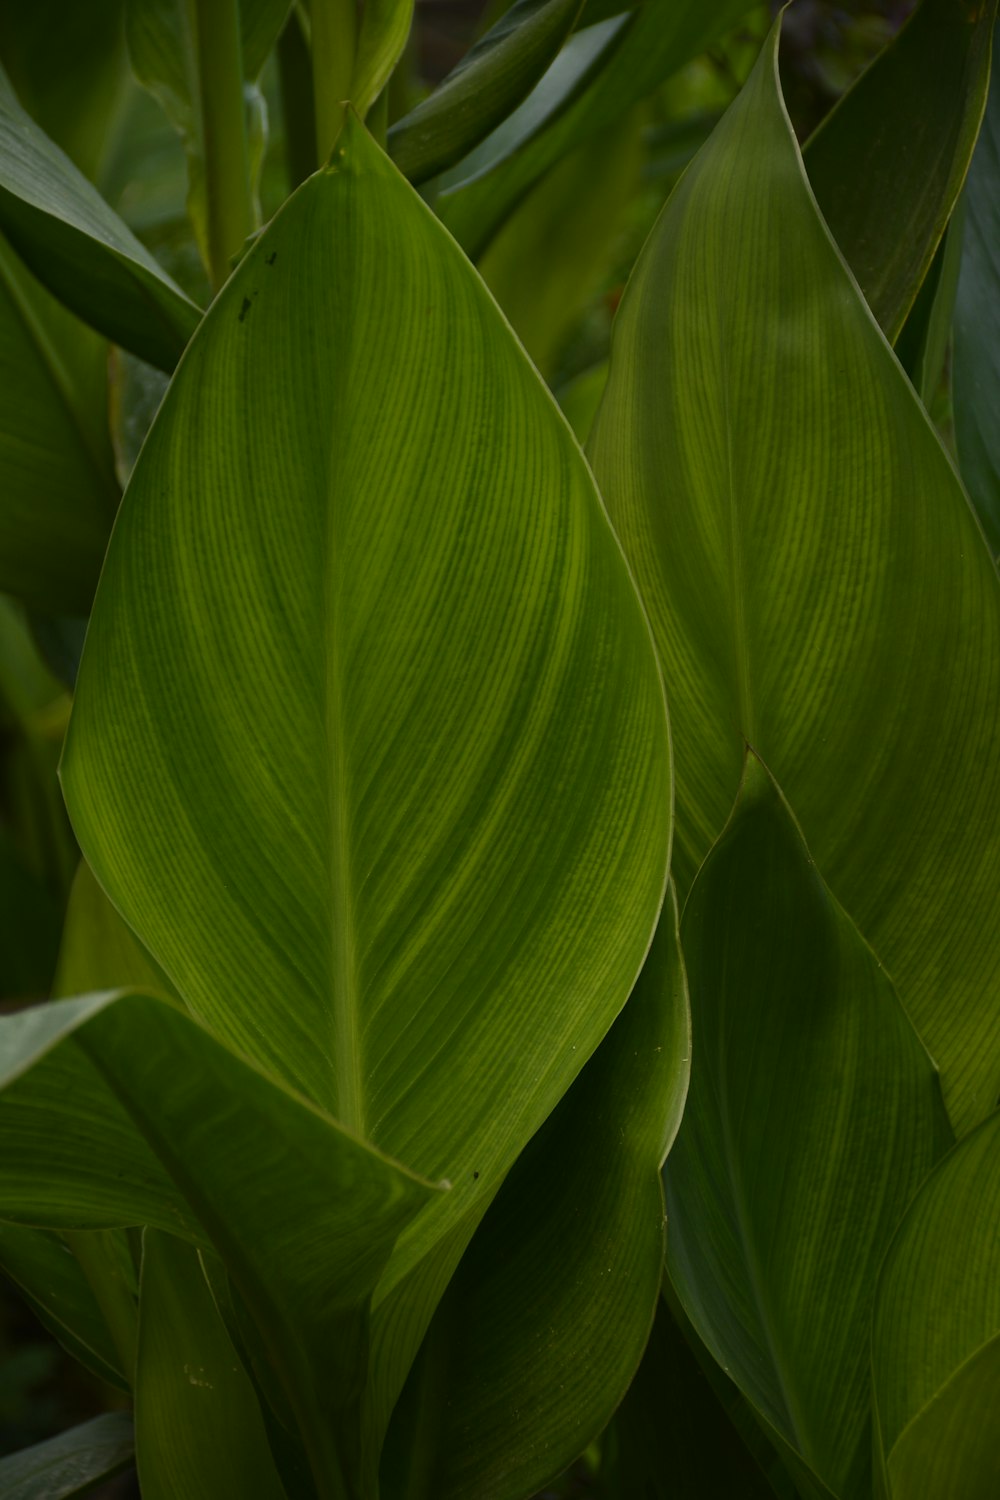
(227, 160)
(334, 46)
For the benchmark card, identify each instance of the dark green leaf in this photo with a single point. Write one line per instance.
(72, 1464)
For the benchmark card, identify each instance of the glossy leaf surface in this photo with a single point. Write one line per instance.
(814, 1114)
(888, 162)
(543, 1326)
(483, 90)
(815, 579)
(936, 1339)
(639, 54)
(198, 1427)
(410, 824)
(976, 354)
(72, 1463)
(79, 247)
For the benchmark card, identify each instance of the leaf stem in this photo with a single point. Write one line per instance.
(110, 1291)
(227, 161)
(334, 45)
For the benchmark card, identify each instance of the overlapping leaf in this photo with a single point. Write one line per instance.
(72, 1463)
(816, 582)
(813, 1116)
(936, 1339)
(888, 162)
(79, 247)
(408, 746)
(976, 357)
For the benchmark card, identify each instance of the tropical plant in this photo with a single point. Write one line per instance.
(497, 852)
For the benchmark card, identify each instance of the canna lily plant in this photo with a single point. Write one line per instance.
(519, 919)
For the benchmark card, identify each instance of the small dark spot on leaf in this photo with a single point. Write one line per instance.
(270, 259)
(244, 309)
(476, 1176)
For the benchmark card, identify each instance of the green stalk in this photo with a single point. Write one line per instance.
(334, 45)
(110, 1291)
(227, 162)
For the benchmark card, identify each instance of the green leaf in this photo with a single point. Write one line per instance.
(382, 36)
(79, 247)
(816, 582)
(58, 492)
(198, 1427)
(561, 1280)
(549, 258)
(72, 1463)
(814, 1114)
(936, 1337)
(976, 353)
(632, 59)
(888, 162)
(387, 794)
(44, 1268)
(122, 1110)
(581, 397)
(478, 95)
(98, 950)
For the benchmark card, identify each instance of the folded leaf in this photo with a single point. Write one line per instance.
(198, 1427)
(70, 1464)
(562, 1278)
(408, 834)
(493, 77)
(816, 582)
(888, 162)
(936, 1338)
(976, 354)
(79, 247)
(813, 1116)
(637, 56)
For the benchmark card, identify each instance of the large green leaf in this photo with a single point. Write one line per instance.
(72, 1463)
(98, 951)
(79, 247)
(125, 1111)
(976, 353)
(483, 90)
(58, 493)
(198, 1427)
(813, 1116)
(936, 1339)
(888, 163)
(816, 581)
(385, 790)
(635, 57)
(562, 1278)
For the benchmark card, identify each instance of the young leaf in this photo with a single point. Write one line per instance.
(70, 1464)
(79, 248)
(562, 1277)
(198, 1427)
(814, 576)
(888, 162)
(408, 744)
(489, 82)
(936, 1338)
(814, 1114)
(976, 355)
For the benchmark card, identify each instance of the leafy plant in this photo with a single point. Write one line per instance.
(418, 968)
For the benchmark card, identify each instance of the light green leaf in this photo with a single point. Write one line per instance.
(48, 1274)
(936, 1338)
(198, 1427)
(887, 164)
(548, 259)
(383, 33)
(976, 354)
(58, 492)
(561, 1280)
(817, 584)
(79, 247)
(122, 1110)
(98, 949)
(635, 58)
(478, 95)
(70, 1464)
(410, 821)
(813, 1116)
